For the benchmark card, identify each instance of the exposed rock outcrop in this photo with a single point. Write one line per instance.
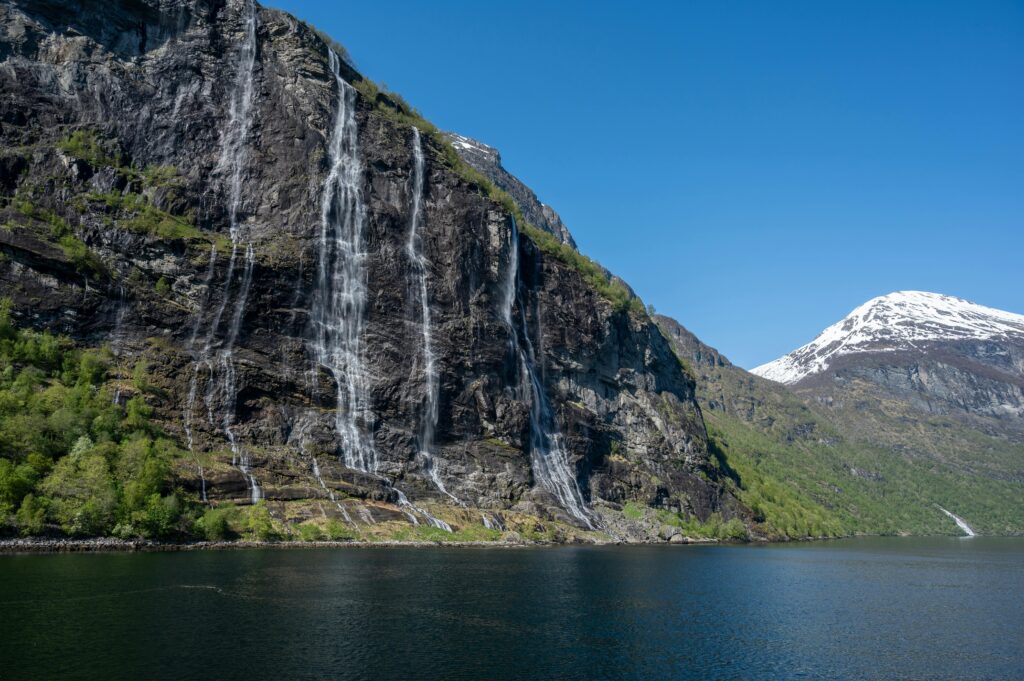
(163, 170)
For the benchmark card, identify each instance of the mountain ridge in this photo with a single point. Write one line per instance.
(894, 322)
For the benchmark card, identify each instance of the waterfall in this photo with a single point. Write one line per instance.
(493, 522)
(233, 147)
(117, 336)
(202, 478)
(431, 380)
(197, 322)
(411, 510)
(339, 299)
(549, 458)
(960, 522)
(217, 352)
(330, 492)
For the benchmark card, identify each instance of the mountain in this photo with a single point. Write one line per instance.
(855, 462)
(939, 354)
(910, 403)
(246, 291)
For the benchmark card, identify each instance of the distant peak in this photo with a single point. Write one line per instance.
(895, 321)
(475, 147)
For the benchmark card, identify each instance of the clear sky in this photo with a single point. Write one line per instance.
(755, 170)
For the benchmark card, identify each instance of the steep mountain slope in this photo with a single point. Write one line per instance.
(487, 160)
(863, 466)
(939, 354)
(313, 294)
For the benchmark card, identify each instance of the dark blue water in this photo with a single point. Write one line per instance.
(853, 609)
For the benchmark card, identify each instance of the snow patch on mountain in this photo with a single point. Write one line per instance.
(896, 321)
(467, 144)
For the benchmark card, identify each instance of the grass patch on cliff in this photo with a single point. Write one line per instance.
(134, 207)
(136, 213)
(593, 274)
(57, 231)
(633, 510)
(86, 146)
(427, 533)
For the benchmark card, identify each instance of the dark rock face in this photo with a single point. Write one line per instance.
(980, 383)
(152, 202)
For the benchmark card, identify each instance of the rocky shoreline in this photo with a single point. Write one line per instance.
(111, 544)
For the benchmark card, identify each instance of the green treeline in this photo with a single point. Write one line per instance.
(70, 456)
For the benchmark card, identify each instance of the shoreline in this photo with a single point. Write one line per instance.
(42, 545)
(15, 546)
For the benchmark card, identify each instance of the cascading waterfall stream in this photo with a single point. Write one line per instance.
(548, 456)
(431, 380)
(330, 492)
(339, 299)
(217, 354)
(117, 336)
(960, 522)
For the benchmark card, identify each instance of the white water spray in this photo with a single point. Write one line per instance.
(338, 315)
(960, 522)
(216, 354)
(330, 492)
(339, 299)
(548, 455)
(431, 380)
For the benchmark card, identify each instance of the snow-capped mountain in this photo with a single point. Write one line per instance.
(900, 321)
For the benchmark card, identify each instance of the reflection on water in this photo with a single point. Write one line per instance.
(865, 608)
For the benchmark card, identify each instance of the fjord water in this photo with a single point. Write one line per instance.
(937, 608)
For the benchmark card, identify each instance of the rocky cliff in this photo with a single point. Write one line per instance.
(331, 313)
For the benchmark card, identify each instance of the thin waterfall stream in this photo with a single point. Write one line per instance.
(216, 355)
(960, 522)
(339, 299)
(548, 456)
(431, 380)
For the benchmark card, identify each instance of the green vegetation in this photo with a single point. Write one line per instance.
(69, 457)
(633, 511)
(58, 231)
(806, 470)
(310, 532)
(259, 525)
(86, 145)
(593, 274)
(136, 213)
(215, 523)
(803, 478)
(132, 208)
(339, 531)
(714, 528)
(740, 452)
(434, 534)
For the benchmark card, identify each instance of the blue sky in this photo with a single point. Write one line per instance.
(755, 170)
